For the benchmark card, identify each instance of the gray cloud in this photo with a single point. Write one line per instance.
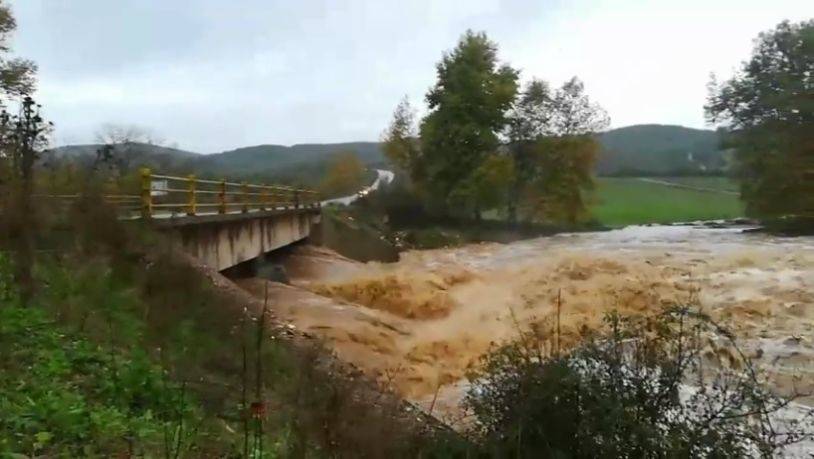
(216, 74)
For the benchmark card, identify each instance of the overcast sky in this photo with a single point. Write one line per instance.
(211, 75)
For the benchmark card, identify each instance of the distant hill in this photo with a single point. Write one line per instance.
(276, 159)
(303, 164)
(647, 149)
(135, 154)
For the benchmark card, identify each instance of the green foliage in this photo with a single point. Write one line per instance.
(554, 149)
(8, 291)
(768, 110)
(433, 238)
(573, 113)
(532, 114)
(62, 395)
(487, 186)
(17, 76)
(626, 391)
(401, 145)
(467, 110)
(562, 174)
(88, 351)
(22, 136)
(345, 176)
(82, 385)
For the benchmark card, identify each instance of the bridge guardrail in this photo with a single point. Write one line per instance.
(202, 196)
(166, 196)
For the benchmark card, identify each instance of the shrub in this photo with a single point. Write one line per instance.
(672, 385)
(62, 395)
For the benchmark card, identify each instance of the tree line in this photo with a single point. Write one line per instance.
(489, 142)
(767, 113)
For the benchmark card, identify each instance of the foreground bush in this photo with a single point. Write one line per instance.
(674, 385)
(61, 395)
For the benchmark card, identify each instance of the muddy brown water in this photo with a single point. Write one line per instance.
(420, 323)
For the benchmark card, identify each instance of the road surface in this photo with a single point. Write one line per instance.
(384, 177)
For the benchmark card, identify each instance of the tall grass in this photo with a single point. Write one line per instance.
(156, 360)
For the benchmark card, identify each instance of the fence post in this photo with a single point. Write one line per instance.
(222, 197)
(146, 193)
(244, 196)
(191, 204)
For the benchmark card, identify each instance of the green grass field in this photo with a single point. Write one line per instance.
(717, 183)
(629, 201)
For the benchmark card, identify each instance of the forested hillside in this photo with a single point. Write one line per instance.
(132, 154)
(305, 163)
(249, 160)
(647, 149)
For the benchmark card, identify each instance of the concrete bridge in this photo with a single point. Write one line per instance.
(224, 241)
(223, 223)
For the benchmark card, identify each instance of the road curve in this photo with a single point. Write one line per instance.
(384, 177)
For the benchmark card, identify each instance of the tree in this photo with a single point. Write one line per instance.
(529, 121)
(768, 110)
(400, 142)
(122, 144)
(561, 175)
(23, 136)
(16, 79)
(486, 187)
(16, 75)
(552, 142)
(532, 114)
(468, 107)
(574, 113)
(346, 175)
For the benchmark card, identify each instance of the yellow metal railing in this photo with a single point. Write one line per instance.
(166, 196)
(194, 196)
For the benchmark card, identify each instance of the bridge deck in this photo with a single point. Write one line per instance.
(167, 219)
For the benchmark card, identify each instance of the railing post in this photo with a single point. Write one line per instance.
(191, 203)
(296, 199)
(265, 199)
(146, 194)
(222, 197)
(244, 196)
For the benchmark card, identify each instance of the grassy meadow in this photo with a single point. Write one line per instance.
(716, 183)
(629, 201)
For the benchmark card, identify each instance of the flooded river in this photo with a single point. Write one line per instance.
(419, 324)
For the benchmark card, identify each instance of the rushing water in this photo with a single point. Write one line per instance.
(420, 323)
